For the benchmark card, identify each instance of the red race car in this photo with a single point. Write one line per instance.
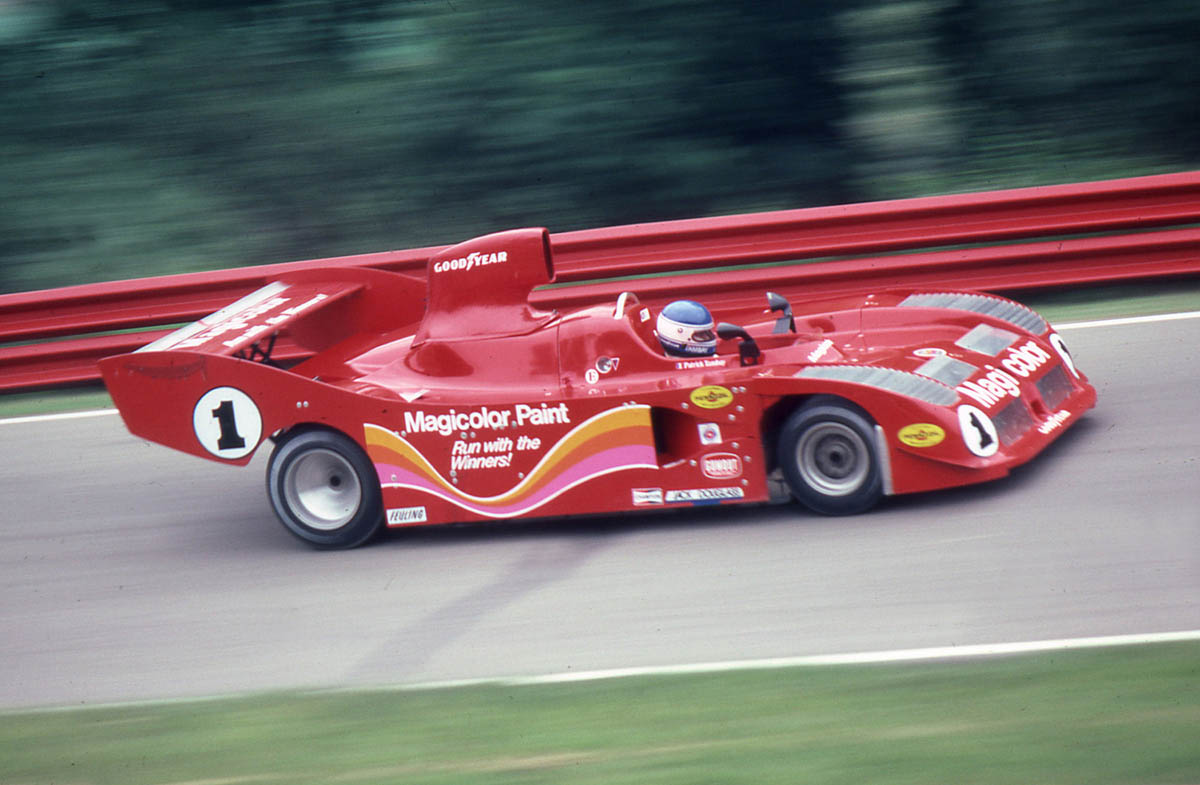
(452, 398)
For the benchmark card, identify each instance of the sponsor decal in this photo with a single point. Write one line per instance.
(921, 434)
(485, 418)
(643, 497)
(227, 422)
(710, 433)
(999, 383)
(241, 322)
(471, 261)
(614, 440)
(721, 466)
(499, 454)
(1055, 422)
(489, 453)
(644, 315)
(1025, 359)
(978, 431)
(603, 365)
(819, 352)
(166, 371)
(687, 365)
(705, 495)
(711, 396)
(929, 351)
(991, 388)
(398, 516)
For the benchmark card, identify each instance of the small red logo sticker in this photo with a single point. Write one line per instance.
(721, 466)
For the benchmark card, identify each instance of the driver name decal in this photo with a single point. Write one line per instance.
(687, 365)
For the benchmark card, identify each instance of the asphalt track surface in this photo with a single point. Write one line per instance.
(129, 572)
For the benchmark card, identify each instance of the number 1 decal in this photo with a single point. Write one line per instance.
(985, 438)
(978, 431)
(227, 422)
(230, 440)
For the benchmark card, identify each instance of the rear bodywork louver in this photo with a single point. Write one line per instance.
(995, 307)
(900, 382)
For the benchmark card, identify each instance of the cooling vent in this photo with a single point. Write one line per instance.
(1013, 313)
(899, 382)
(947, 370)
(1012, 421)
(985, 339)
(1054, 387)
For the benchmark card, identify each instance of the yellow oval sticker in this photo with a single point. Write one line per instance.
(922, 434)
(711, 396)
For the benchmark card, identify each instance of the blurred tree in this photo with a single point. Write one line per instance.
(1074, 87)
(154, 136)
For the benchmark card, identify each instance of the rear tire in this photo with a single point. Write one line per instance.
(325, 490)
(828, 456)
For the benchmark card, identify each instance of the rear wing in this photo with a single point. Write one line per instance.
(258, 314)
(318, 308)
(300, 317)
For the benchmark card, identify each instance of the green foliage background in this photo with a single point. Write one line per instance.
(145, 137)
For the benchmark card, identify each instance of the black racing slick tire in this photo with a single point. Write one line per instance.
(325, 490)
(828, 455)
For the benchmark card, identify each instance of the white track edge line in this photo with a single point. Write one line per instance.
(1162, 317)
(60, 416)
(943, 653)
(858, 658)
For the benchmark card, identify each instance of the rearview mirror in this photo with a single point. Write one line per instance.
(748, 351)
(786, 322)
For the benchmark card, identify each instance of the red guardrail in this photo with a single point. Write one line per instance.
(1115, 230)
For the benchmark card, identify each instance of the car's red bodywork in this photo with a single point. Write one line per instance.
(472, 404)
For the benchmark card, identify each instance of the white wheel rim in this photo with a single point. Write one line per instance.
(833, 459)
(322, 489)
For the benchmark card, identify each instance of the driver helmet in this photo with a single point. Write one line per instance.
(685, 329)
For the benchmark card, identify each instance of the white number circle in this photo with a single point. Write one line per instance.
(978, 431)
(227, 423)
(1060, 346)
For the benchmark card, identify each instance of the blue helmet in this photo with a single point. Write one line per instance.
(685, 329)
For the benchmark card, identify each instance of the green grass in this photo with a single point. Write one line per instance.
(1121, 715)
(1109, 301)
(75, 399)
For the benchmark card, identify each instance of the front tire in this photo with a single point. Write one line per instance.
(828, 456)
(325, 490)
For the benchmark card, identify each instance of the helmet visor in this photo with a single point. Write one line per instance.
(704, 336)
